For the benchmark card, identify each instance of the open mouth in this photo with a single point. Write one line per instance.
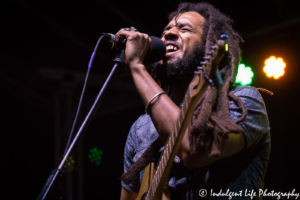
(171, 48)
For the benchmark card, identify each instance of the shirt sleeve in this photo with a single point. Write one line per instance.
(129, 153)
(256, 124)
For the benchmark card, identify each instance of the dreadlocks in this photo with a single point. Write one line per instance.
(211, 117)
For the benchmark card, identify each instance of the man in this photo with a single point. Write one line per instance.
(216, 154)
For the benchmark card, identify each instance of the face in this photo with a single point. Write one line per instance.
(182, 35)
(184, 49)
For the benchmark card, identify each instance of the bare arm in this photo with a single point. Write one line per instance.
(164, 111)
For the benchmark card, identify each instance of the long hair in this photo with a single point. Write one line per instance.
(211, 117)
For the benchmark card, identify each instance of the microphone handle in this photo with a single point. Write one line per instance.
(156, 52)
(117, 39)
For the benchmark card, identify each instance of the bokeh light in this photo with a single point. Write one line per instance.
(95, 156)
(274, 67)
(244, 75)
(69, 163)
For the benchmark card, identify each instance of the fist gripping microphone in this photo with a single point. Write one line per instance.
(156, 51)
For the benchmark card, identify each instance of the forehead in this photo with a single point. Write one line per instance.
(192, 18)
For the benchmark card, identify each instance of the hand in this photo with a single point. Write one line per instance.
(137, 46)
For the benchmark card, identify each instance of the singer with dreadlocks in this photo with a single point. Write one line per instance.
(232, 123)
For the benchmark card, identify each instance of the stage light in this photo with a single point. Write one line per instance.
(244, 75)
(95, 156)
(274, 67)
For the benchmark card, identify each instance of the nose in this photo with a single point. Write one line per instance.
(171, 34)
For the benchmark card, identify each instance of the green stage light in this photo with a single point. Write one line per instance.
(95, 156)
(244, 75)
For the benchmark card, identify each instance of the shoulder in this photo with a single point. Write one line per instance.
(246, 91)
(250, 97)
(256, 124)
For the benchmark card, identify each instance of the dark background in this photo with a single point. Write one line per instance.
(45, 48)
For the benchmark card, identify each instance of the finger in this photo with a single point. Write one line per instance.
(135, 35)
(126, 32)
(146, 36)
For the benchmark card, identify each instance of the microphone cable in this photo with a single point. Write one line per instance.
(82, 93)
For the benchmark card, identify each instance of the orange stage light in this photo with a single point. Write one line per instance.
(274, 67)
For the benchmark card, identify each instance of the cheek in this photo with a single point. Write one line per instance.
(188, 47)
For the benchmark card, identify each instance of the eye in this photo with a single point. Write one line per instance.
(185, 30)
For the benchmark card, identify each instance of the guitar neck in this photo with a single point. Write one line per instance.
(174, 141)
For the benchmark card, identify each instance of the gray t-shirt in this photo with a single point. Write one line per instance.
(237, 176)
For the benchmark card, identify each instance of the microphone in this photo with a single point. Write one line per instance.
(156, 51)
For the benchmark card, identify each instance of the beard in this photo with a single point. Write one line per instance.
(178, 70)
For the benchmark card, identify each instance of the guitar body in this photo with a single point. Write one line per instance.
(146, 181)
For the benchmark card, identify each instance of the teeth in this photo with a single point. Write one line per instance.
(172, 47)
